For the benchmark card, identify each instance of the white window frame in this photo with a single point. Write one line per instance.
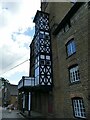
(78, 108)
(74, 74)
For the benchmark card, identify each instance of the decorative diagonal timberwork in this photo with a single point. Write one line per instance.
(42, 49)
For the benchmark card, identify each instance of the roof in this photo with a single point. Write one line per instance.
(71, 12)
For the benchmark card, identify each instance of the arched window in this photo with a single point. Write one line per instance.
(78, 107)
(71, 47)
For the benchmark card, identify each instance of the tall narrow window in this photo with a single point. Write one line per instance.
(71, 47)
(78, 107)
(74, 73)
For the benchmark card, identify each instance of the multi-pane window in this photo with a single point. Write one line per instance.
(37, 70)
(41, 35)
(37, 62)
(71, 47)
(78, 107)
(74, 74)
(42, 49)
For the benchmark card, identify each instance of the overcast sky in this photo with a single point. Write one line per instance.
(16, 33)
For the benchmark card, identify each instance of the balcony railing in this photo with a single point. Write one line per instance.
(32, 83)
(26, 82)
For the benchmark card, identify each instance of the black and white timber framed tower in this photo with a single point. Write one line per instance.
(42, 50)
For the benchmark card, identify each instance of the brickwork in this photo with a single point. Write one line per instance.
(89, 61)
(63, 91)
(79, 30)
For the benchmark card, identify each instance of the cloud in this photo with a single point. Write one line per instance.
(16, 33)
(4, 17)
(22, 40)
(18, 15)
(12, 7)
(16, 74)
(13, 51)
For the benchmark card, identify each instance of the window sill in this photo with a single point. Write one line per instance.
(77, 82)
(80, 118)
(70, 55)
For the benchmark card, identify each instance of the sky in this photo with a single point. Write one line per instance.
(16, 34)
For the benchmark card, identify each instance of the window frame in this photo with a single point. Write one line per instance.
(79, 106)
(74, 81)
(73, 50)
(67, 26)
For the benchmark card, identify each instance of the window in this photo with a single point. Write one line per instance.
(41, 35)
(67, 26)
(37, 62)
(47, 57)
(42, 56)
(47, 36)
(42, 62)
(71, 48)
(74, 74)
(37, 76)
(48, 62)
(36, 71)
(78, 107)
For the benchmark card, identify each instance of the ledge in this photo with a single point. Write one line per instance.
(66, 19)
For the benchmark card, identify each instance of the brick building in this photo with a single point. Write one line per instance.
(8, 93)
(65, 93)
(69, 30)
